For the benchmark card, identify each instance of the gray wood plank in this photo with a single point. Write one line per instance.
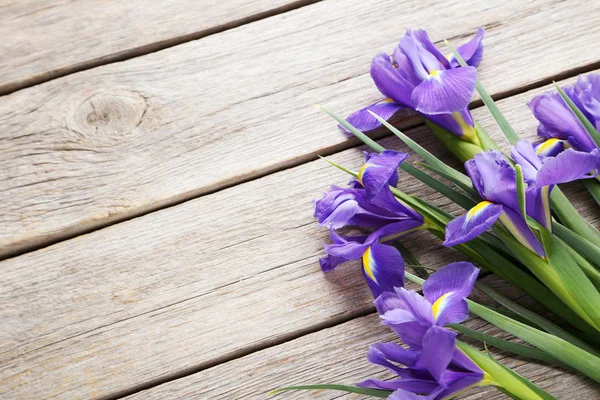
(128, 138)
(44, 39)
(338, 355)
(193, 284)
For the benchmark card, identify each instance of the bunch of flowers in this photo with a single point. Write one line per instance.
(517, 224)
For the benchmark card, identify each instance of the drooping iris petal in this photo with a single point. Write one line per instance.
(328, 263)
(471, 52)
(348, 248)
(387, 301)
(389, 81)
(364, 121)
(447, 289)
(586, 95)
(438, 349)
(570, 165)
(479, 219)
(383, 268)
(445, 91)
(380, 171)
(557, 121)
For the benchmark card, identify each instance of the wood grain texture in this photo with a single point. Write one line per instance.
(338, 355)
(44, 39)
(128, 138)
(190, 285)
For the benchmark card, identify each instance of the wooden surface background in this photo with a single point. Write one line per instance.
(157, 171)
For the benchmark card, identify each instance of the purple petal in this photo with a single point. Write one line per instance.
(445, 91)
(386, 200)
(524, 154)
(459, 381)
(417, 305)
(387, 301)
(389, 81)
(557, 121)
(479, 219)
(383, 268)
(364, 121)
(446, 290)
(345, 247)
(438, 349)
(380, 171)
(410, 385)
(421, 61)
(570, 165)
(328, 263)
(401, 394)
(493, 178)
(586, 95)
(423, 38)
(471, 52)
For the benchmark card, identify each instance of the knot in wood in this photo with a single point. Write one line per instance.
(108, 118)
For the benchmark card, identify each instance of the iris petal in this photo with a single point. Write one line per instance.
(479, 219)
(389, 81)
(364, 121)
(568, 166)
(383, 267)
(445, 91)
(471, 52)
(438, 349)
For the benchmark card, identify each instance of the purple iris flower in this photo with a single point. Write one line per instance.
(369, 203)
(419, 77)
(558, 125)
(495, 181)
(433, 367)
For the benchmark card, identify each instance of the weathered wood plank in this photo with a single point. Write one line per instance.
(45, 39)
(338, 355)
(234, 269)
(128, 138)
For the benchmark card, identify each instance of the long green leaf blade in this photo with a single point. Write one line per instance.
(521, 191)
(574, 356)
(502, 122)
(364, 138)
(515, 348)
(341, 388)
(593, 186)
(538, 320)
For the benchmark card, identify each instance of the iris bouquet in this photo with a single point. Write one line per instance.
(516, 224)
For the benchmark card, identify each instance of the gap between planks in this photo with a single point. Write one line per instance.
(295, 161)
(149, 48)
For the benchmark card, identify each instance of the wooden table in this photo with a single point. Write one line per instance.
(158, 165)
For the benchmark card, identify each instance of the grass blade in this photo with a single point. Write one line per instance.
(521, 192)
(593, 186)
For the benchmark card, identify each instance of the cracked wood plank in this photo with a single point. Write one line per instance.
(196, 284)
(125, 139)
(46, 39)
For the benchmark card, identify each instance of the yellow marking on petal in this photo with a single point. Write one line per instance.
(468, 131)
(361, 171)
(478, 208)
(388, 100)
(547, 145)
(435, 73)
(368, 264)
(438, 306)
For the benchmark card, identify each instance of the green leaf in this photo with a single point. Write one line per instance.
(364, 138)
(342, 388)
(589, 127)
(502, 122)
(585, 265)
(569, 217)
(580, 294)
(536, 319)
(462, 149)
(593, 186)
(577, 242)
(515, 348)
(466, 188)
(424, 154)
(521, 191)
(411, 261)
(505, 378)
(338, 166)
(486, 141)
(574, 356)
